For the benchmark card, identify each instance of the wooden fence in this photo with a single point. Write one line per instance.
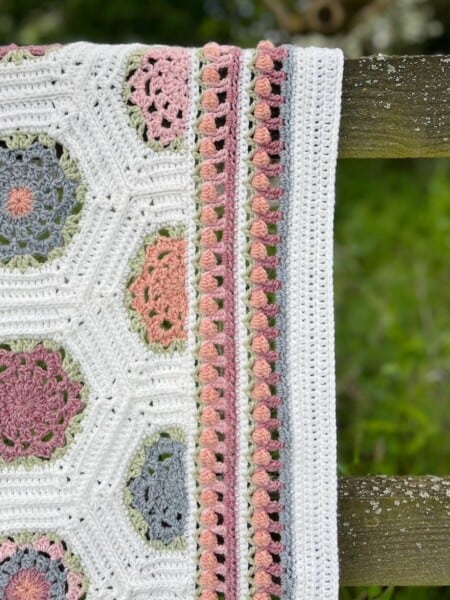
(395, 530)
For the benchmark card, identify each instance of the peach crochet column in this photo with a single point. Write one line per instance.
(264, 214)
(216, 156)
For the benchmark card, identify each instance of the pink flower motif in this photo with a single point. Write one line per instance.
(39, 573)
(54, 549)
(7, 549)
(33, 50)
(75, 586)
(159, 291)
(28, 584)
(38, 400)
(160, 88)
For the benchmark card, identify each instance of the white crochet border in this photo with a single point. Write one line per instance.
(315, 98)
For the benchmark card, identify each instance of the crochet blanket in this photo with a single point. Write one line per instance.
(167, 426)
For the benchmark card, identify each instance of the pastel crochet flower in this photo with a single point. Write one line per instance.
(39, 567)
(157, 291)
(157, 93)
(39, 400)
(156, 493)
(28, 584)
(41, 196)
(17, 54)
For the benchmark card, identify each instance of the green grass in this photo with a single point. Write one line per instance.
(392, 280)
(378, 593)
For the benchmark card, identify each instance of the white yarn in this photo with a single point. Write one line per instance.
(75, 95)
(315, 97)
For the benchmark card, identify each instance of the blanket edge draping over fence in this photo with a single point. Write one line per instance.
(167, 394)
(313, 133)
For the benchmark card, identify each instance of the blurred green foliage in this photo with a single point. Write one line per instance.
(392, 252)
(390, 593)
(392, 316)
(152, 21)
(392, 268)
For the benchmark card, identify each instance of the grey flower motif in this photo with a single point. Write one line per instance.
(31, 563)
(158, 492)
(41, 196)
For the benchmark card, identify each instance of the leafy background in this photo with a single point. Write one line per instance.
(392, 218)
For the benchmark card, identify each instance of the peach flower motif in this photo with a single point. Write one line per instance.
(20, 201)
(28, 584)
(158, 293)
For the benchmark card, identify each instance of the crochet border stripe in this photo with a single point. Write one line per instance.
(216, 375)
(267, 431)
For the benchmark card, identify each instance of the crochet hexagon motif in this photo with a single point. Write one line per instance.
(155, 491)
(39, 567)
(17, 54)
(157, 96)
(156, 293)
(42, 397)
(41, 196)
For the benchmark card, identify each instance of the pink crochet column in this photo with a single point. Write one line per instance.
(266, 544)
(216, 171)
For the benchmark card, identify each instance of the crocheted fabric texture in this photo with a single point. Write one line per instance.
(167, 427)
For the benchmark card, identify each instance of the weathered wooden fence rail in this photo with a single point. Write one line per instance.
(395, 530)
(396, 107)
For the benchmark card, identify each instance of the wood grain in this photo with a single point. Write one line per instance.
(394, 531)
(396, 107)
